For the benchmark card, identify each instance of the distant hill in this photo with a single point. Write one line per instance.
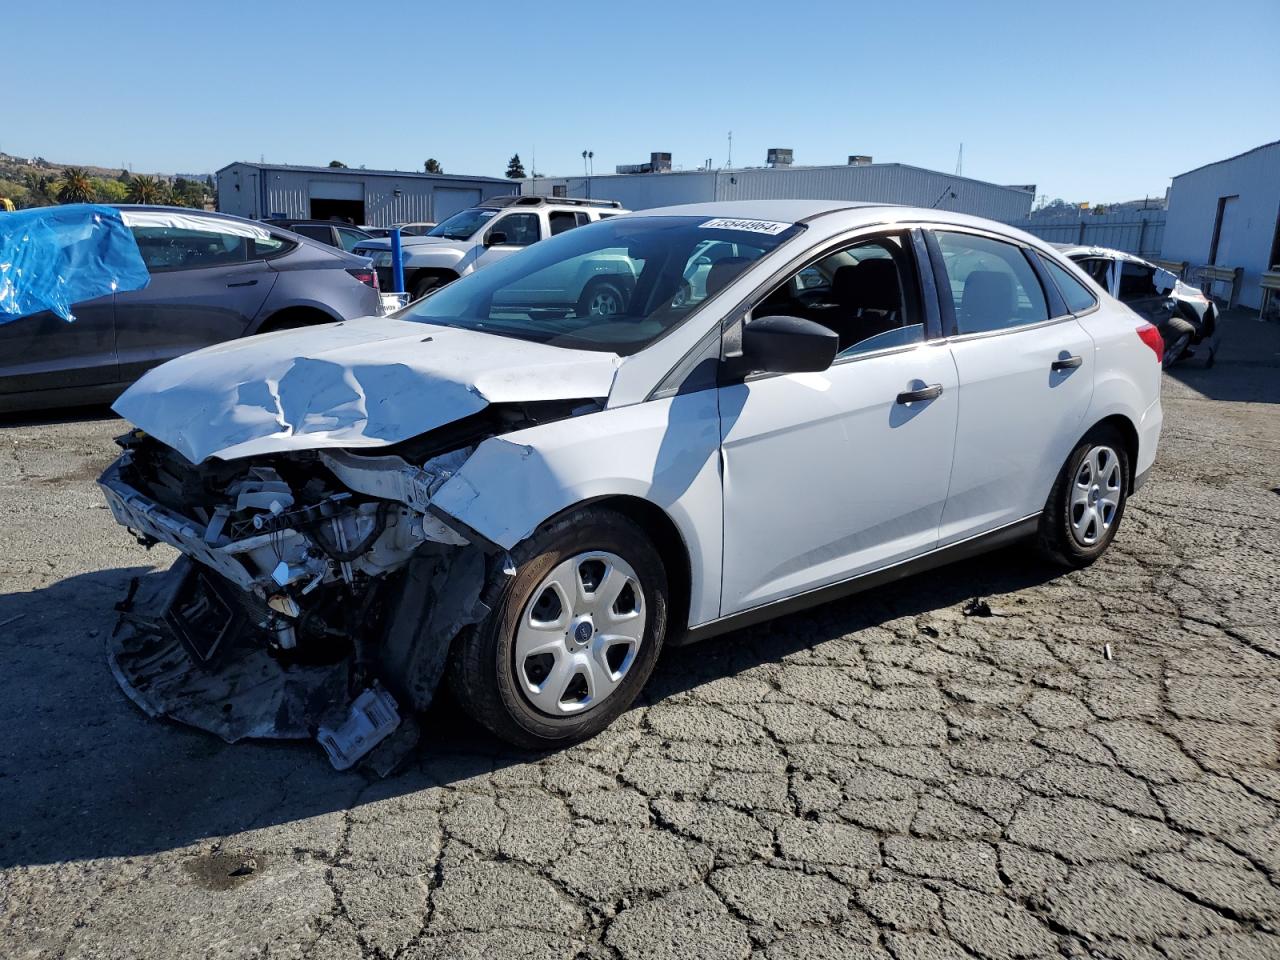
(37, 182)
(16, 168)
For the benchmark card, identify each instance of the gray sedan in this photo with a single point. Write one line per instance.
(213, 278)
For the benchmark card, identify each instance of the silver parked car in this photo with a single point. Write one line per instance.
(213, 278)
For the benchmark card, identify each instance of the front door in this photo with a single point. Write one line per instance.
(518, 231)
(830, 475)
(45, 352)
(1026, 380)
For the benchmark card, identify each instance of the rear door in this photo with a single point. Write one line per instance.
(1025, 369)
(45, 352)
(207, 285)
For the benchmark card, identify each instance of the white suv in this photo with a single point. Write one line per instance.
(484, 234)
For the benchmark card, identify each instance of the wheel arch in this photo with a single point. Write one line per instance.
(295, 315)
(1129, 433)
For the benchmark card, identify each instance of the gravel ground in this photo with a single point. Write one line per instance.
(883, 777)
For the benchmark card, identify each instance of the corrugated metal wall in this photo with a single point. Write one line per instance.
(877, 183)
(1248, 233)
(881, 182)
(1140, 232)
(264, 191)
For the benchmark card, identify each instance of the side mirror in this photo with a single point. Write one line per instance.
(780, 344)
(496, 238)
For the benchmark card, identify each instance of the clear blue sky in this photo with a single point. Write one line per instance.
(1091, 101)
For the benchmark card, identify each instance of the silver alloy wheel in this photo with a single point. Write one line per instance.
(1095, 495)
(579, 634)
(604, 303)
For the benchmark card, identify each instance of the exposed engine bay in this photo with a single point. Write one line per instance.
(311, 580)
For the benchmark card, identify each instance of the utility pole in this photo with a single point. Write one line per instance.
(729, 164)
(960, 161)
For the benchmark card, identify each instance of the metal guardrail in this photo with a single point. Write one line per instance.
(1270, 284)
(1208, 275)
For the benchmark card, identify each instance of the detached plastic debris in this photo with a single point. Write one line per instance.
(372, 719)
(53, 257)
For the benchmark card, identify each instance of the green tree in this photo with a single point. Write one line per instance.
(515, 169)
(109, 190)
(337, 163)
(432, 166)
(145, 189)
(76, 186)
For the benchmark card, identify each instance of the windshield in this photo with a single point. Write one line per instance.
(462, 225)
(615, 285)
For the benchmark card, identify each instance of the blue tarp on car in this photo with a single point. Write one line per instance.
(52, 257)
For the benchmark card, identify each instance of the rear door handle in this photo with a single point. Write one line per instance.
(931, 392)
(1066, 363)
(243, 283)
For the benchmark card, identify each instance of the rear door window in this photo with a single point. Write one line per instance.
(1137, 282)
(993, 285)
(181, 248)
(315, 231)
(349, 238)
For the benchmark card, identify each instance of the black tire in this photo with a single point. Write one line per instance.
(1177, 335)
(1057, 539)
(602, 289)
(482, 666)
(424, 285)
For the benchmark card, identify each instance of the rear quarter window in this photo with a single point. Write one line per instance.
(1074, 293)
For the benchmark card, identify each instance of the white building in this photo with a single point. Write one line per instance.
(1227, 214)
(857, 180)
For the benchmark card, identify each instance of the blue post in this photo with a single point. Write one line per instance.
(397, 262)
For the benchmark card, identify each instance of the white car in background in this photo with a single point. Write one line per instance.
(484, 234)
(534, 502)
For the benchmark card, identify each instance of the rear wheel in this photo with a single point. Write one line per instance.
(571, 638)
(1087, 502)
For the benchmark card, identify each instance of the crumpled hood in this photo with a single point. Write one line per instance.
(358, 383)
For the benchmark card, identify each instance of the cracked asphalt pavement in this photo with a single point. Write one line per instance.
(883, 777)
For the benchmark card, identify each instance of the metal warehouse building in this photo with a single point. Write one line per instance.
(877, 182)
(1227, 214)
(375, 197)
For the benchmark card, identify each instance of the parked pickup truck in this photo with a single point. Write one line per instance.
(495, 229)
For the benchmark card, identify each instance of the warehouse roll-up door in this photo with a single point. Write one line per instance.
(446, 201)
(337, 200)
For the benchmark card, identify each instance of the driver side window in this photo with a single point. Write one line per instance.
(866, 293)
(521, 229)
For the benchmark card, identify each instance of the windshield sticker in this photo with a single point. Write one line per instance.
(771, 227)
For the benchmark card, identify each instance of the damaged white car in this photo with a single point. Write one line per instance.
(531, 499)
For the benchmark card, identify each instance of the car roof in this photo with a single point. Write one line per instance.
(855, 213)
(1076, 250)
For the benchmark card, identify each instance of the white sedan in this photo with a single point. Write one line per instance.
(533, 502)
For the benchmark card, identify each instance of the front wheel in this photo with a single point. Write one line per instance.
(425, 285)
(571, 638)
(1087, 502)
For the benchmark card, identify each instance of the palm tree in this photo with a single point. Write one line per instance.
(76, 186)
(145, 189)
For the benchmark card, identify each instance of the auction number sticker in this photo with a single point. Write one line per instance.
(771, 227)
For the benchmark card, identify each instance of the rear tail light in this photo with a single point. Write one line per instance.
(1151, 337)
(366, 275)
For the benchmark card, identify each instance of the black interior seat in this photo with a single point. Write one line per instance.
(869, 299)
(722, 272)
(987, 302)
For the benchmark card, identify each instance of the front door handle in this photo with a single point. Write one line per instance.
(1066, 363)
(243, 283)
(931, 392)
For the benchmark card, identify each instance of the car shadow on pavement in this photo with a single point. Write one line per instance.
(41, 418)
(1244, 368)
(84, 775)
